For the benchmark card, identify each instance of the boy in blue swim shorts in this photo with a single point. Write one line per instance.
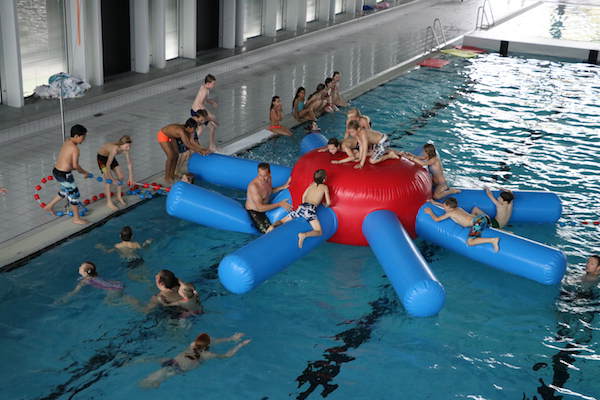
(312, 197)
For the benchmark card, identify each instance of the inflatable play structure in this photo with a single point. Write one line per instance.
(379, 205)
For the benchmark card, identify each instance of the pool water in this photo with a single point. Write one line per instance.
(556, 20)
(331, 325)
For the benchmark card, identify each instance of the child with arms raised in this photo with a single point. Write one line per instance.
(431, 160)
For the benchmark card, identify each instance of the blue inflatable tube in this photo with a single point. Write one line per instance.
(247, 267)
(203, 206)
(528, 206)
(517, 255)
(278, 213)
(312, 141)
(232, 172)
(419, 291)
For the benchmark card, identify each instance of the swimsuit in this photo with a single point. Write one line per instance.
(305, 210)
(380, 148)
(173, 364)
(105, 285)
(162, 138)
(480, 222)
(180, 146)
(102, 160)
(134, 262)
(260, 220)
(68, 187)
(275, 127)
(195, 114)
(494, 223)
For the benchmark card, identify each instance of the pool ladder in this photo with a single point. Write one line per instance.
(483, 20)
(435, 38)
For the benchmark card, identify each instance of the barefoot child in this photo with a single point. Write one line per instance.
(199, 104)
(275, 116)
(477, 223)
(66, 162)
(299, 111)
(312, 197)
(367, 138)
(431, 160)
(192, 357)
(107, 162)
(338, 100)
(350, 143)
(504, 206)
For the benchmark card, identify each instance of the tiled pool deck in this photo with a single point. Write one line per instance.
(362, 50)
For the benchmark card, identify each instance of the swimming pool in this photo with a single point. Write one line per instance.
(330, 325)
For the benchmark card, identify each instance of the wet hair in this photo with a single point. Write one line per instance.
(328, 81)
(507, 196)
(333, 141)
(596, 257)
(320, 87)
(189, 290)
(91, 268)
(265, 166)
(78, 130)
(309, 125)
(300, 89)
(168, 279)
(123, 140)
(429, 150)
(451, 202)
(190, 177)
(202, 340)
(273, 101)
(353, 125)
(191, 123)
(319, 176)
(209, 78)
(126, 233)
(202, 113)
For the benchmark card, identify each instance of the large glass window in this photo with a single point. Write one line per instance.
(43, 41)
(279, 20)
(339, 6)
(253, 10)
(311, 10)
(172, 29)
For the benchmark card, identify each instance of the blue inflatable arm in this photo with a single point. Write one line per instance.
(249, 266)
(418, 289)
(232, 172)
(312, 141)
(278, 213)
(517, 255)
(528, 205)
(203, 206)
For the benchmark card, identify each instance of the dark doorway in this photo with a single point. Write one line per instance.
(116, 41)
(207, 25)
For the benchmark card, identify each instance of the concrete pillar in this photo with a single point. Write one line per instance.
(187, 28)
(350, 7)
(140, 35)
(93, 42)
(323, 9)
(270, 17)
(301, 15)
(228, 10)
(157, 33)
(240, 21)
(10, 56)
(76, 35)
(291, 15)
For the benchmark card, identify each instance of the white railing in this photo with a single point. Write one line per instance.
(435, 38)
(485, 16)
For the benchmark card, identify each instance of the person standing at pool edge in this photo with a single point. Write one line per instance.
(66, 162)
(258, 193)
(202, 97)
(107, 163)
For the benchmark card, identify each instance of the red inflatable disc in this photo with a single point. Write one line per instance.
(396, 185)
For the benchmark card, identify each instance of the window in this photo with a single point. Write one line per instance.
(311, 10)
(279, 20)
(339, 6)
(171, 29)
(253, 18)
(42, 40)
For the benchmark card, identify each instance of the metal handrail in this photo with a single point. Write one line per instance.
(430, 36)
(439, 24)
(483, 14)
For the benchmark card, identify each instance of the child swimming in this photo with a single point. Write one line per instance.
(312, 197)
(126, 247)
(192, 357)
(430, 159)
(89, 277)
(190, 300)
(477, 223)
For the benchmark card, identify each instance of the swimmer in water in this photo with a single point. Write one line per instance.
(190, 300)
(126, 247)
(89, 277)
(313, 196)
(312, 127)
(187, 178)
(192, 357)
(430, 159)
(168, 287)
(592, 271)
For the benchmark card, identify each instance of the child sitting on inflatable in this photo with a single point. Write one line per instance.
(430, 159)
(312, 197)
(504, 206)
(477, 223)
(367, 138)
